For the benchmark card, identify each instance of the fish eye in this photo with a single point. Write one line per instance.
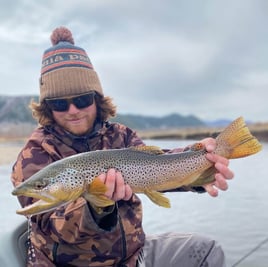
(40, 185)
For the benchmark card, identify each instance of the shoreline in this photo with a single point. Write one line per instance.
(259, 131)
(11, 146)
(9, 151)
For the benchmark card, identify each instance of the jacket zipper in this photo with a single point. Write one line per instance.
(124, 243)
(54, 252)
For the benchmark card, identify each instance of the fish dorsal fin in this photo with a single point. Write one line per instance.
(155, 150)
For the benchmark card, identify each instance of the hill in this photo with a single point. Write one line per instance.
(140, 122)
(16, 122)
(14, 109)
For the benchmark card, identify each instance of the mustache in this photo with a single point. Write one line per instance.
(73, 117)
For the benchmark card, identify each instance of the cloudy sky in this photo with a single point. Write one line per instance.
(208, 58)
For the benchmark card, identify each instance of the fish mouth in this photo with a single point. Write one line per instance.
(44, 203)
(37, 194)
(46, 200)
(38, 207)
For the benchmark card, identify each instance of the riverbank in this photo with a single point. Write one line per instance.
(259, 130)
(10, 147)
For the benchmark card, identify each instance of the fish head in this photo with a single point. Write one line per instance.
(53, 186)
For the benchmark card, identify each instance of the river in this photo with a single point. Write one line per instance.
(237, 218)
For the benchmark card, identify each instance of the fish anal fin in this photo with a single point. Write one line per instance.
(158, 198)
(155, 150)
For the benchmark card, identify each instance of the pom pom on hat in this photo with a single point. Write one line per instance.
(61, 34)
(66, 68)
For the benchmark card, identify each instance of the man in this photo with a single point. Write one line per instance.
(73, 114)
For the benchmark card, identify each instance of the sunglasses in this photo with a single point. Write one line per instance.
(63, 104)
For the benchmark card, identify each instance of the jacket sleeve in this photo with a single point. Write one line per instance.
(64, 223)
(32, 158)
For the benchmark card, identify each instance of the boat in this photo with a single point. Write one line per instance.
(14, 245)
(13, 227)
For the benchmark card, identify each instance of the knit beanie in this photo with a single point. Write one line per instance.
(66, 68)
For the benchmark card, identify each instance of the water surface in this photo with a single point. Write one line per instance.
(237, 218)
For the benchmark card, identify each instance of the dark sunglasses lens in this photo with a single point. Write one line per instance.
(58, 104)
(61, 104)
(83, 101)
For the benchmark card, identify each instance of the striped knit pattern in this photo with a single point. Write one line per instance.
(65, 57)
(67, 70)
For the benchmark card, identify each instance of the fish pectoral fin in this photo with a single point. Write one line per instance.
(100, 201)
(96, 187)
(208, 176)
(158, 198)
(94, 194)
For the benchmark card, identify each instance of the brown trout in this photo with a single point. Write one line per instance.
(146, 169)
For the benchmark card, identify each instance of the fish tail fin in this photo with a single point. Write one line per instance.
(158, 198)
(95, 194)
(237, 141)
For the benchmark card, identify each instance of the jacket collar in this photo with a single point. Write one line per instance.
(79, 143)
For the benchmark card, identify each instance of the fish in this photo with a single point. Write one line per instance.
(146, 169)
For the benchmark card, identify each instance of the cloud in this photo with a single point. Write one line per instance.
(153, 57)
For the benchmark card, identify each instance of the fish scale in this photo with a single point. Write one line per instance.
(146, 169)
(151, 168)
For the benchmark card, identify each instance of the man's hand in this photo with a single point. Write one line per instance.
(117, 189)
(221, 164)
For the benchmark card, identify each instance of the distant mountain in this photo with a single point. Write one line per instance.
(149, 122)
(222, 123)
(218, 123)
(14, 109)
(16, 122)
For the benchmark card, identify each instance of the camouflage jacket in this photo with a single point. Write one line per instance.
(73, 235)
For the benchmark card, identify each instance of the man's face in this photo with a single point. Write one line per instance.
(77, 121)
